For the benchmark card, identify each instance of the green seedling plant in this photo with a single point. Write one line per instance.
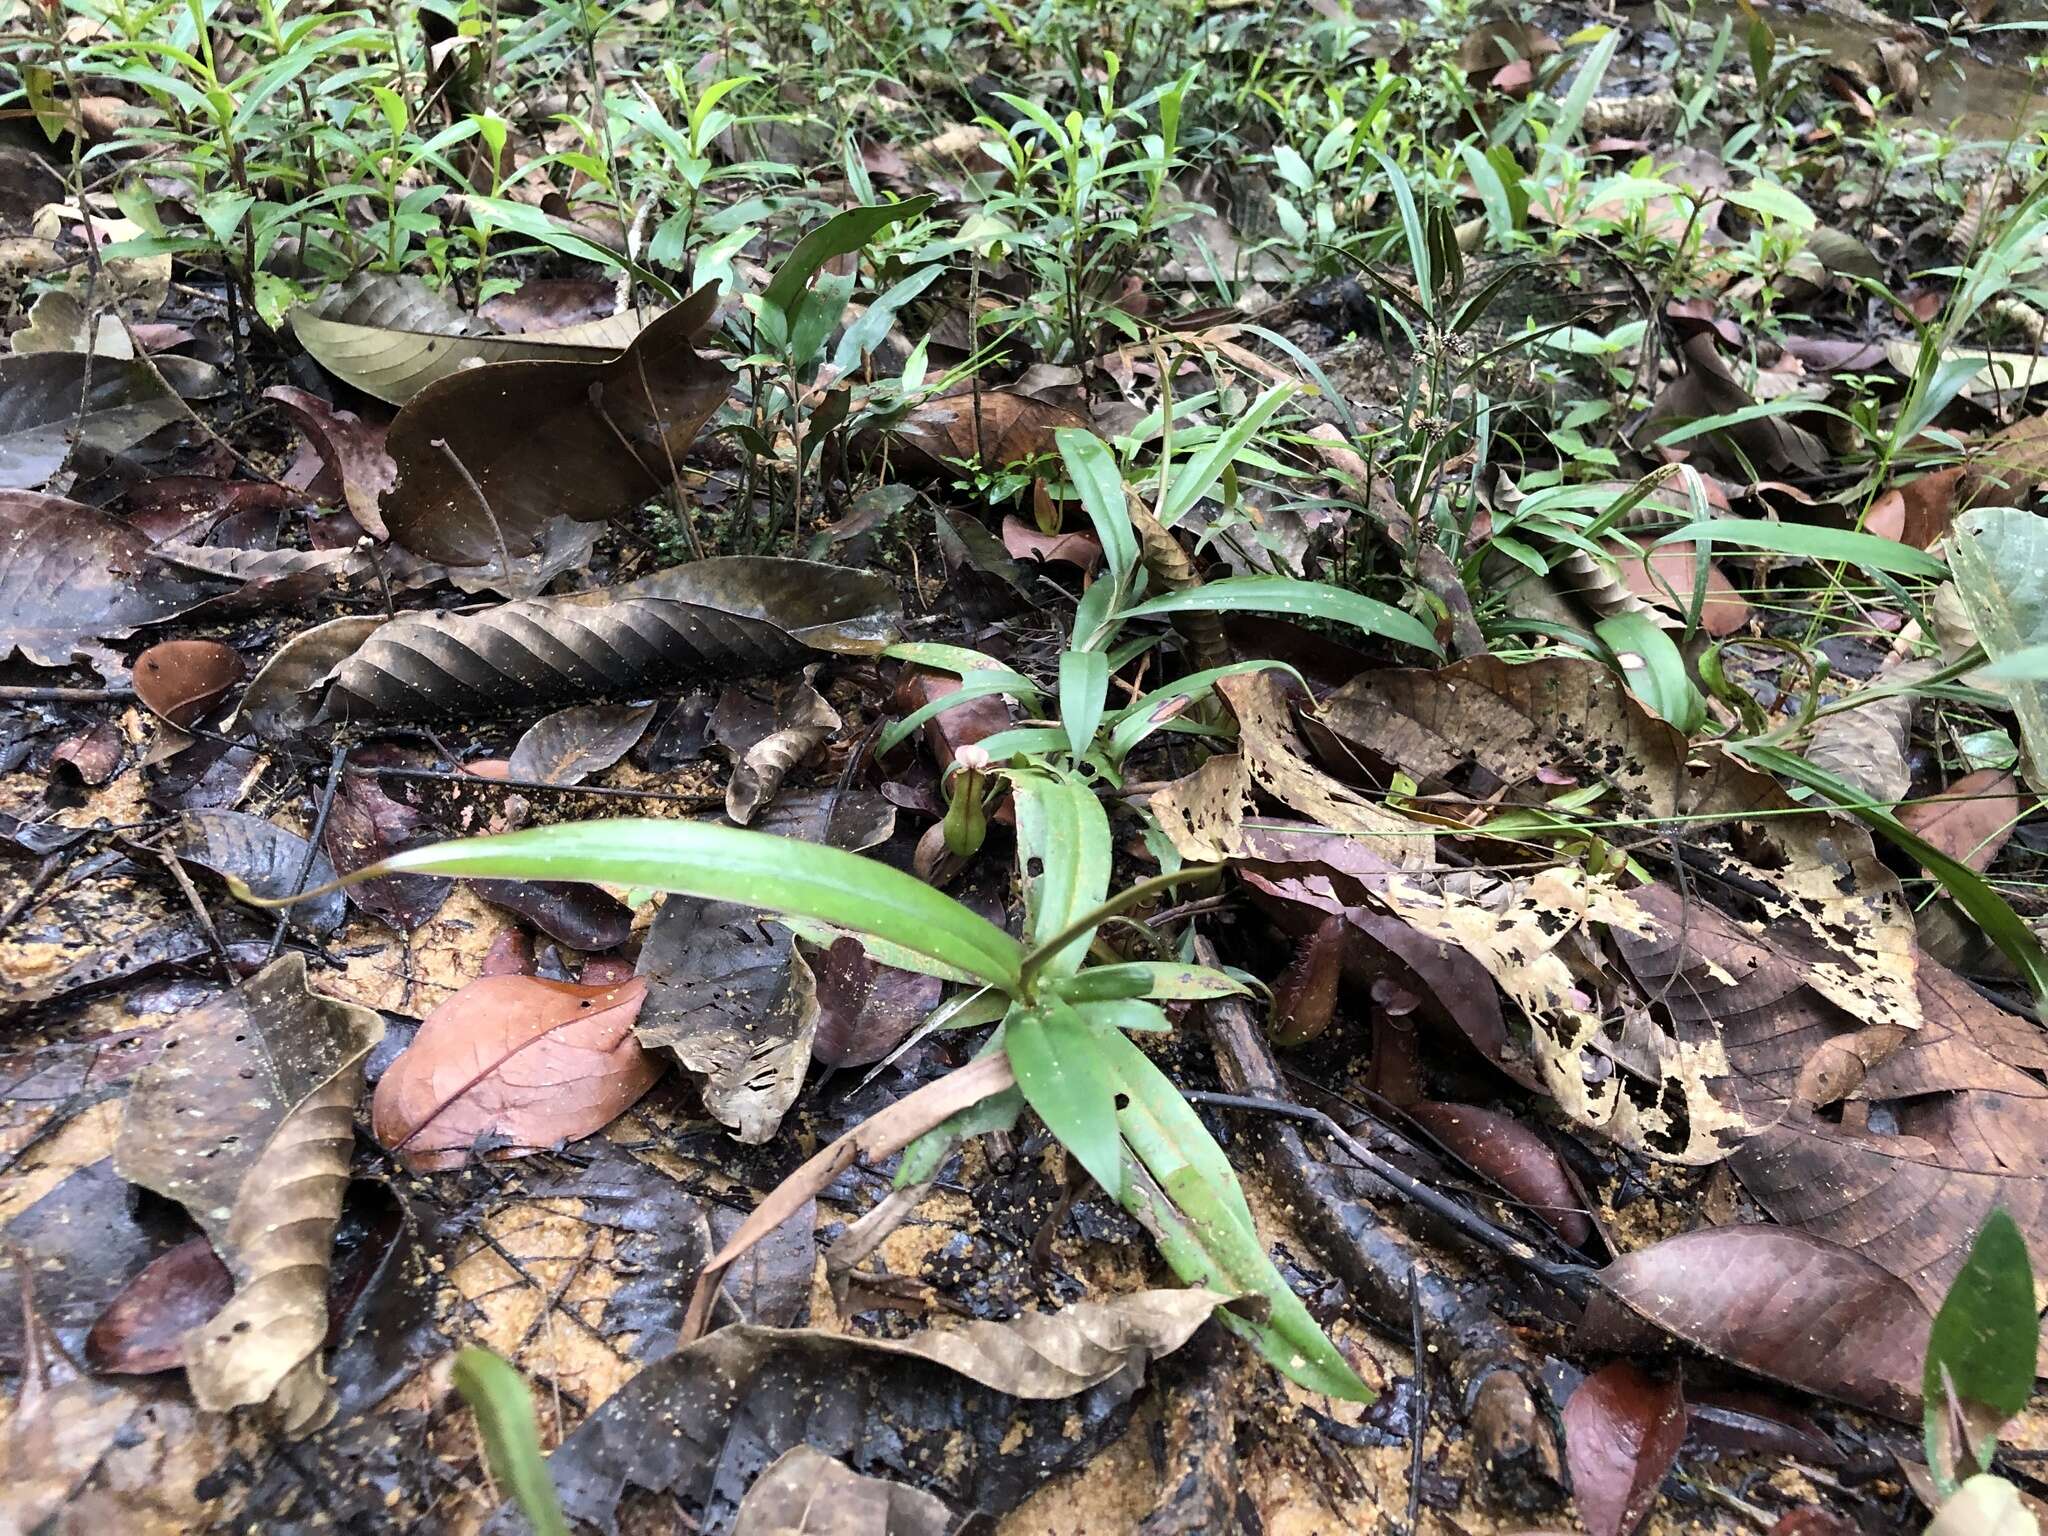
(503, 1404)
(1979, 1370)
(1064, 1023)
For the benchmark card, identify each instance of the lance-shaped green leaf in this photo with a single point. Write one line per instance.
(1062, 1075)
(1064, 846)
(1297, 599)
(721, 863)
(503, 1404)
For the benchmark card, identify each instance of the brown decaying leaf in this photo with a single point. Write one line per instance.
(1654, 580)
(993, 427)
(523, 1061)
(683, 1420)
(247, 1120)
(1622, 1431)
(2011, 462)
(735, 616)
(1972, 819)
(806, 1493)
(351, 449)
(1865, 745)
(1918, 512)
(1971, 1115)
(265, 857)
(44, 408)
(143, 1329)
(285, 694)
(803, 721)
(1513, 1157)
(1765, 446)
(1785, 1305)
(181, 680)
(881, 1135)
(173, 507)
(961, 725)
(580, 916)
(90, 758)
(542, 441)
(364, 825)
(70, 575)
(1305, 993)
(1027, 543)
(571, 744)
(736, 1003)
(866, 1009)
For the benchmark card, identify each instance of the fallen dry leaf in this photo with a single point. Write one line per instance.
(247, 1120)
(995, 428)
(802, 723)
(523, 1062)
(143, 1329)
(1785, 1305)
(571, 744)
(1027, 543)
(1515, 1159)
(351, 450)
(181, 680)
(44, 410)
(1972, 819)
(807, 1493)
(1622, 1431)
(365, 825)
(263, 856)
(865, 1009)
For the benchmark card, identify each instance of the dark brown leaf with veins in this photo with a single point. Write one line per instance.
(263, 856)
(571, 744)
(143, 1329)
(729, 617)
(1513, 1157)
(351, 450)
(523, 1062)
(181, 680)
(490, 459)
(247, 1120)
(1622, 1431)
(866, 1009)
(364, 825)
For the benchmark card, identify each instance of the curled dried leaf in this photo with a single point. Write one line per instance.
(263, 856)
(1305, 994)
(803, 721)
(247, 1120)
(571, 744)
(1513, 1157)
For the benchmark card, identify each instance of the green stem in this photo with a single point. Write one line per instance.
(1123, 901)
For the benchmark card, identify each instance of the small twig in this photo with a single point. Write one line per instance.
(220, 950)
(14, 693)
(462, 469)
(1420, 1413)
(1575, 1280)
(367, 548)
(334, 768)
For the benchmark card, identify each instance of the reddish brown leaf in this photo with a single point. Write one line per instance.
(351, 450)
(2010, 464)
(1622, 1431)
(1749, 1422)
(1515, 1158)
(365, 825)
(206, 510)
(960, 726)
(88, 759)
(523, 1061)
(1972, 819)
(181, 680)
(1003, 429)
(510, 954)
(1919, 511)
(580, 916)
(1305, 994)
(1027, 543)
(551, 303)
(865, 1010)
(1787, 1306)
(143, 1329)
(1664, 577)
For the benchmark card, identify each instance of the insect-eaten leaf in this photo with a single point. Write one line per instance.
(1622, 1431)
(492, 461)
(247, 1120)
(265, 857)
(181, 680)
(735, 1001)
(715, 618)
(512, 1065)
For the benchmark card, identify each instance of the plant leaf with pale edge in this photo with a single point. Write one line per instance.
(1983, 1342)
(503, 1404)
(1300, 599)
(1864, 549)
(754, 869)
(1100, 485)
(1658, 676)
(1970, 890)
(1148, 978)
(2000, 557)
(1062, 829)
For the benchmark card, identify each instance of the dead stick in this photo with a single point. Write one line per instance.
(334, 768)
(462, 469)
(14, 693)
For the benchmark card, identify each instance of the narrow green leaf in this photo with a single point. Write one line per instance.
(503, 1404)
(1084, 690)
(1163, 705)
(1100, 485)
(1059, 1067)
(1302, 599)
(1064, 847)
(1864, 549)
(1194, 479)
(975, 685)
(1169, 979)
(840, 235)
(962, 661)
(721, 863)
